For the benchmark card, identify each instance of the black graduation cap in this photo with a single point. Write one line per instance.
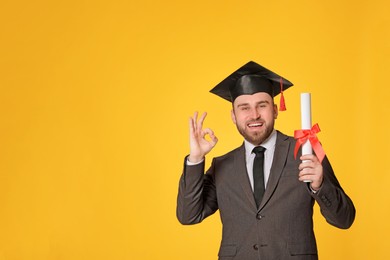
(250, 79)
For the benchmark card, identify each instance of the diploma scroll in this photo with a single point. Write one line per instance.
(306, 121)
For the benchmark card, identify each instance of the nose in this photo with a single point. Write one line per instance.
(256, 113)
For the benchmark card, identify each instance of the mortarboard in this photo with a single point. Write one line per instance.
(250, 79)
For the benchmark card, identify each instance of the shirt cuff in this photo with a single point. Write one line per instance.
(191, 163)
(313, 191)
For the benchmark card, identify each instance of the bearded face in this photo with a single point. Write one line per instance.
(254, 116)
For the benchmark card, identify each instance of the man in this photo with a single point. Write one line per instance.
(265, 197)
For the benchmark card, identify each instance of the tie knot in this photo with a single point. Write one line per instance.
(258, 150)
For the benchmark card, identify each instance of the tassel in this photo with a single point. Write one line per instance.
(282, 103)
(282, 106)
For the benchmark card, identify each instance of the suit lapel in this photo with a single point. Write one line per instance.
(280, 157)
(240, 169)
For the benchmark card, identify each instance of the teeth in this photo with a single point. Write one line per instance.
(254, 125)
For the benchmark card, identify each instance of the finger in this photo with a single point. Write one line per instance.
(309, 174)
(306, 181)
(310, 157)
(303, 172)
(307, 164)
(307, 171)
(214, 139)
(191, 126)
(207, 131)
(194, 119)
(201, 119)
(305, 177)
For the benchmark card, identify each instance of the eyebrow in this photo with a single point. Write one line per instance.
(257, 103)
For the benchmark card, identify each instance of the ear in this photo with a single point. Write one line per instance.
(233, 116)
(276, 112)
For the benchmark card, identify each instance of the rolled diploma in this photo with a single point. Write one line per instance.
(306, 121)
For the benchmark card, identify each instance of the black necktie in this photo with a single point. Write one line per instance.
(258, 174)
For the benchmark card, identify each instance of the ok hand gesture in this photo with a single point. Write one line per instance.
(199, 146)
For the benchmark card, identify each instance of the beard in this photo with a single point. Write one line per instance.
(256, 137)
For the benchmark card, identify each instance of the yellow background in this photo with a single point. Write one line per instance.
(94, 103)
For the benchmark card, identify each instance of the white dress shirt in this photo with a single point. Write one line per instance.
(269, 145)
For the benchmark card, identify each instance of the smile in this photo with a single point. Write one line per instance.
(255, 124)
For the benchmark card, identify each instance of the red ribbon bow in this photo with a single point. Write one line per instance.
(309, 134)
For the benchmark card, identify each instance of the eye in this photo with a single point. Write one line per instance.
(262, 104)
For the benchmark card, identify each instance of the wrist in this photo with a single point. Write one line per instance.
(195, 159)
(314, 189)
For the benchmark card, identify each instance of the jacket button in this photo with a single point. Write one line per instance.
(258, 216)
(256, 247)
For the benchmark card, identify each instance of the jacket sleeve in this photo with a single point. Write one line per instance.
(335, 205)
(197, 197)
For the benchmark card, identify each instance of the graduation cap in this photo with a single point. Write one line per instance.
(250, 79)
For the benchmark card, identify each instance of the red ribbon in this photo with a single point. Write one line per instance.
(309, 134)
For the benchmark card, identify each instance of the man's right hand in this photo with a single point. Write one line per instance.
(199, 146)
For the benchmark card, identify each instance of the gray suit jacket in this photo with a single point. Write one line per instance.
(282, 226)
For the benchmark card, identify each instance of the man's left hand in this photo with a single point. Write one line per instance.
(310, 170)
